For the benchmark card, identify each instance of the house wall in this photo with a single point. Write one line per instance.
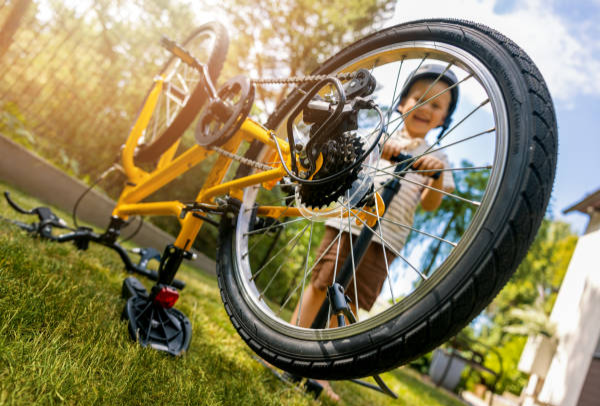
(594, 224)
(576, 313)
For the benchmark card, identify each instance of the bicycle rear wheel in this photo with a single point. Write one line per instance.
(183, 95)
(502, 152)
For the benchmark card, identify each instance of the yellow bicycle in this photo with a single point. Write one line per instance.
(317, 160)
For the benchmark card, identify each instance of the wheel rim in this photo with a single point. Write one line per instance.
(405, 54)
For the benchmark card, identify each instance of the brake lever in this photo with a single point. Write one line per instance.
(45, 215)
(15, 206)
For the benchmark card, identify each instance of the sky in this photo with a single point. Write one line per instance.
(563, 39)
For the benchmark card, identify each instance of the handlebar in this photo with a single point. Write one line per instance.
(80, 237)
(409, 161)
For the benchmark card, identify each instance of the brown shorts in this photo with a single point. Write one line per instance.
(370, 274)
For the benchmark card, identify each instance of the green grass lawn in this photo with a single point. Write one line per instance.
(62, 340)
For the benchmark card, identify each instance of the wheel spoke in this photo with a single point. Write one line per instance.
(418, 231)
(374, 65)
(471, 168)
(262, 237)
(387, 267)
(394, 101)
(297, 236)
(337, 256)
(408, 227)
(404, 179)
(278, 269)
(272, 226)
(421, 103)
(310, 270)
(431, 151)
(352, 256)
(305, 272)
(391, 248)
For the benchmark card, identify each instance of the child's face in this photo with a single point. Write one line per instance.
(430, 115)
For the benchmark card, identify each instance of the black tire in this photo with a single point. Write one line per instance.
(450, 300)
(151, 151)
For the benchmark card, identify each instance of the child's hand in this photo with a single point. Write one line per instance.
(431, 199)
(428, 163)
(391, 149)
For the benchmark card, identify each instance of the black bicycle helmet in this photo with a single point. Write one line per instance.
(433, 71)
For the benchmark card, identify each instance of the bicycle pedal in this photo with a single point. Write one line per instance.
(146, 255)
(133, 287)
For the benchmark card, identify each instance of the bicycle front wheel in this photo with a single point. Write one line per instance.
(502, 156)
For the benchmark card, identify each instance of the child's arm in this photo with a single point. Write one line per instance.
(430, 199)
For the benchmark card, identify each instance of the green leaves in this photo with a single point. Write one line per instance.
(13, 125)
(529, 320)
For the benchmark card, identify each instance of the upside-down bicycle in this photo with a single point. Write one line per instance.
(317, 158)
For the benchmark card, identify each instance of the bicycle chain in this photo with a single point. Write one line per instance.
(302, 79)
(241, 159)
(267, 81)
(186, 57)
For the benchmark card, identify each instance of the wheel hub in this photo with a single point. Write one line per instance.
(338, 153)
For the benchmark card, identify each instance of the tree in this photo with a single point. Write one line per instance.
(288, 38)
(12, 24)
(90, 64)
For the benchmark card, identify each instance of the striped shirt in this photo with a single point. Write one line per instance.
(404, 204)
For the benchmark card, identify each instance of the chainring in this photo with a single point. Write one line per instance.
(221, 119)
(338, 152)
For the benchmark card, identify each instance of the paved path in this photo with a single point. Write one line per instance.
(37, 177)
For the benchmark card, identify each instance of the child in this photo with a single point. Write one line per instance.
(372, 271)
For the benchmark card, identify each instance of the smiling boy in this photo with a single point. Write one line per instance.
(424, 83)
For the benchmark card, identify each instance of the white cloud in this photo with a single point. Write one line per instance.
(565, 57)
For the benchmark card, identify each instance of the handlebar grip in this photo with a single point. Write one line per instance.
(405, 157)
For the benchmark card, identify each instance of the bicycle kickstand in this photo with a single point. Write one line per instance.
(340, 308)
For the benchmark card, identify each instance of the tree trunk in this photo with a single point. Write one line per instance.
(12, 24)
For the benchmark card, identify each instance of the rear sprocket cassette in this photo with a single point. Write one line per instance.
(338, 153)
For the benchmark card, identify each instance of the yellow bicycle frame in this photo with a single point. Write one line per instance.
(141, 183)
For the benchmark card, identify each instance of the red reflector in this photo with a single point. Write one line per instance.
(166, 297)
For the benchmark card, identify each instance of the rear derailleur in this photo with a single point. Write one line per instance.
(330, 160)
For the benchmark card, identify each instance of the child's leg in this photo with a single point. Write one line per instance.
(311, 303)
